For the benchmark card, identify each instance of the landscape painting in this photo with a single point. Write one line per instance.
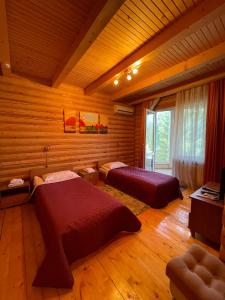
(89, 122)
(103, 124)
(69, 120)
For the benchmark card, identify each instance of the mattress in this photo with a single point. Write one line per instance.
(76, 218)
(155, 189)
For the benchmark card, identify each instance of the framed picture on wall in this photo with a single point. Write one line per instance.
(69, 120)
(103, 124)
(88, 122)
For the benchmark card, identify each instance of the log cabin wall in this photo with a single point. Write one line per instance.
(31, 116)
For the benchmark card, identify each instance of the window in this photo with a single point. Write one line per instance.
(158, 139)
(163, 133)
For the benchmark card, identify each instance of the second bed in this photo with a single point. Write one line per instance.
(155, 189)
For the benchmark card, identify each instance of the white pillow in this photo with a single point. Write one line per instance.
(59, 176)
(113, 165)
(37, 181)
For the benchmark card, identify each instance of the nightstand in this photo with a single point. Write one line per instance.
(205, 217)
(11, 196)
(90, 177)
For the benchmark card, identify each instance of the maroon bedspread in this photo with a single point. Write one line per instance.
(155, 189)
(76, 218)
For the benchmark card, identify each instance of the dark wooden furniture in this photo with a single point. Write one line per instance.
(90, 177)
(11, 196)
(205, 217)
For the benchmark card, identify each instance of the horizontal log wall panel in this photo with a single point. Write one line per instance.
(31, 117)
(7, 174)
(10, 119)
(35, 142)
(64, 158)
(9, 158)
(46, 106)
(37, 149)
(49, 129)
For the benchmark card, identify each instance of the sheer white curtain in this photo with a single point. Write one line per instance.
(189, 136)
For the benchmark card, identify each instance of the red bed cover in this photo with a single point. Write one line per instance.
(155, 189)
(76, 218)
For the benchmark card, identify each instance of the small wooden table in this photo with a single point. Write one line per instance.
(11, 196)
(90, 177)
(205, 217)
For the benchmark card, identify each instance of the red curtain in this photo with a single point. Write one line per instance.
(215, 132)
(145, 105)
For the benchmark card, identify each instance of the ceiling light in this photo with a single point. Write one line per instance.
(127, 73)
(129, 77)
(137, 63)
(116, 82)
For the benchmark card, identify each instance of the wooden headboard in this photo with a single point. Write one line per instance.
(44, 170)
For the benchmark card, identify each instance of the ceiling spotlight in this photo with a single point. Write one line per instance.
(129, 77)
(127, 73)
(116, 82)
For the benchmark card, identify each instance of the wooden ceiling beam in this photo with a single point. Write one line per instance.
(195, 17)
(4, 41)
(212, 55)
(179, 87)
(98, 18)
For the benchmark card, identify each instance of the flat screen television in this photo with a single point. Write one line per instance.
(222, 184)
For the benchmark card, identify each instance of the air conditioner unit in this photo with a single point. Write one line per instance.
(121, 109)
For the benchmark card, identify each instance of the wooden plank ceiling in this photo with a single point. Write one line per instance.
(42, 34)
(135, 23)
(166, 87)
(193, 45)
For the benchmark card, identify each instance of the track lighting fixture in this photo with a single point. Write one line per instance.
(116, 82)
(127, 73)
(129, 77)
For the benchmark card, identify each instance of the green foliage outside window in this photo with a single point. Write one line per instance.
(163, 128)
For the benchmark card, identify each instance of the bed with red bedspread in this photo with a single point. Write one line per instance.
(155, 189)
(76, 218)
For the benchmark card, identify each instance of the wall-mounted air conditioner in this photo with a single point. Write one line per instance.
(122, 109)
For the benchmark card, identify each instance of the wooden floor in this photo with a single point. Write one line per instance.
(131, 267)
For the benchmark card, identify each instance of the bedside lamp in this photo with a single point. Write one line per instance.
(46, 150)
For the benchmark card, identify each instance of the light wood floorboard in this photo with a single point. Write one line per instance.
(130, 267)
